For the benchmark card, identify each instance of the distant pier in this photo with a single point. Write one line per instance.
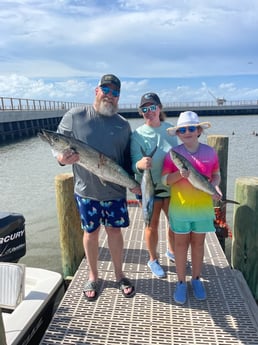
(20, 118)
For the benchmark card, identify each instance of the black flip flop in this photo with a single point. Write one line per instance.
(125, 283)
(91, 286)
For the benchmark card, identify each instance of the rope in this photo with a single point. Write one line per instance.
(220, 223)
(133, 202)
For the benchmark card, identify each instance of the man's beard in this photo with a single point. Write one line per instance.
(107, 109)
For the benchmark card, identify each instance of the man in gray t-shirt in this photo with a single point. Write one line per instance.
(101, 127)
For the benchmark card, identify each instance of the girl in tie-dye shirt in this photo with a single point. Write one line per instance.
(191, 212)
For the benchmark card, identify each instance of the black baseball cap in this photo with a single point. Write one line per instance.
(110, 79)
(149, 97)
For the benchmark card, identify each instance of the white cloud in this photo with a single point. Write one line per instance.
(138, 40)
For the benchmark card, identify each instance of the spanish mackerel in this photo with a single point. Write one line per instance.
(89, 158)
(198, 180)
(148, 191)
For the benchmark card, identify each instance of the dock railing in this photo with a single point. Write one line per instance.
(27, 104)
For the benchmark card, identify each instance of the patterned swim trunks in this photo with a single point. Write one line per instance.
(93, 213)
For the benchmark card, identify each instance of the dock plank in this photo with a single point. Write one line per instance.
(228, 316)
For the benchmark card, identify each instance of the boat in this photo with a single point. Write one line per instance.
(28, 295)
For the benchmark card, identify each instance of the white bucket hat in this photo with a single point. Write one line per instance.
(187, 118)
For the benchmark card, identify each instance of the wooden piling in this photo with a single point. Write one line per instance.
(2, 331)
(245, 231)
(220, 144)
(72, 251)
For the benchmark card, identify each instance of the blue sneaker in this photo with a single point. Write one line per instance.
(170, 255)
(180, 293)
(198, 289)
(156, 269)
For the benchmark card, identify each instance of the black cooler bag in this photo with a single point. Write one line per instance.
(12, 236)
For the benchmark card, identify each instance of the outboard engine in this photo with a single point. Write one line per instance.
(12, 236)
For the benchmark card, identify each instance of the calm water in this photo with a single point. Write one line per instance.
(28, 170)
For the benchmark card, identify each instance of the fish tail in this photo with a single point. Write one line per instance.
(228, 201)
(151, 154)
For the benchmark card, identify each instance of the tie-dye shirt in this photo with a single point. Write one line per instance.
(186, 202)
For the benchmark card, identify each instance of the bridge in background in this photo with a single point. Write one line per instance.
(25, 117)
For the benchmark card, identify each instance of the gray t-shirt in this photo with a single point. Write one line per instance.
(107, 134)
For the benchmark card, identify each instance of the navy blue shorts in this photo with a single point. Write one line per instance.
(93, 213)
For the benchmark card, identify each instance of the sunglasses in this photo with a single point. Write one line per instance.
(191, 129)
(150, 108)
(106, 90)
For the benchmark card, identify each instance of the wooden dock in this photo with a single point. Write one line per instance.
(228, 316)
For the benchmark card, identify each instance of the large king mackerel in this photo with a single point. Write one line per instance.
(89, 158)
(198, 180)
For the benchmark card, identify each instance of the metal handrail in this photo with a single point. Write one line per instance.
(26, 104)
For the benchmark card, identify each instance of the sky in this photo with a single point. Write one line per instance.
(184, 50)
